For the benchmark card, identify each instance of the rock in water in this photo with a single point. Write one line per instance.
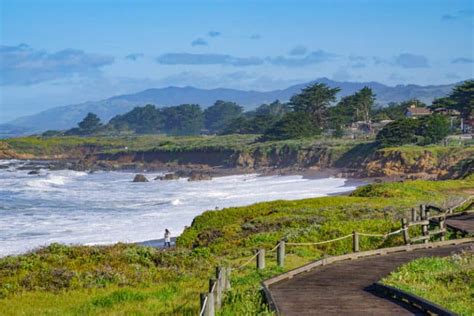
(140, 178)
(34, 172)
(195, 176)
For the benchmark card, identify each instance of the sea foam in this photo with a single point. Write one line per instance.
(106, 207)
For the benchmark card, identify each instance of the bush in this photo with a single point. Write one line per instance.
(399, 132)
(292, 125)
(433, 129)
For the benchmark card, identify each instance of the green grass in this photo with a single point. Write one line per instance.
(128, 279)
(447, 281)
(38, 145)
(44, 146)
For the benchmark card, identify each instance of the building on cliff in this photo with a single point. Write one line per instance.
(415, 112)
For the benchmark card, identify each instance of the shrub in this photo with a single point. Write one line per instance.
(399, 132)
(292, 125)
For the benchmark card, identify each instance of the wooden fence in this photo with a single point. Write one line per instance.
(211, 301)
(218, 286)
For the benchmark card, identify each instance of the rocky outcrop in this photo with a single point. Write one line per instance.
(419, 163)
(6, 152)
(140, 178)
(198, 176)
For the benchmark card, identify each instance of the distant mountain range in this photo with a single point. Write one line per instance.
(65, 117)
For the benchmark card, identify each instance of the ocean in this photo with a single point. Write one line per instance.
(74, 207)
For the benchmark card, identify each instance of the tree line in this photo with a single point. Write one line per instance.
(307, 114)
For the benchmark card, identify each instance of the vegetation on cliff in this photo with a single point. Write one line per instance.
(132, 279)
(243, 151)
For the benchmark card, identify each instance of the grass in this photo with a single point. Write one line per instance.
(447, 281)
(128, 279)
(45, 146)
(38, 145)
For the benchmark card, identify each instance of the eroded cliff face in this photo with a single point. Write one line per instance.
(419, 163)
(286, 157)
(6, 152)
(362, 160)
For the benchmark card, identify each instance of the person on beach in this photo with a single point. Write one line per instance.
(167, 238)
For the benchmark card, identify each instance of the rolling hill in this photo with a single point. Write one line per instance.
(65, 117)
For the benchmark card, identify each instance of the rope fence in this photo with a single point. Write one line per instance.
(212, 300)
(317, 243)
(248, 261)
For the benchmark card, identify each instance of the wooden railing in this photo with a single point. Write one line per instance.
(211, 301)
(350, 256)
(218, 286)
(424, 220)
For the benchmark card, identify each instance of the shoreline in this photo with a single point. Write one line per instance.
(185, 170)
(158, 242)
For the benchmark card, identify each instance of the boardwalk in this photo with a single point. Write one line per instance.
(342, 288)
(463, 222)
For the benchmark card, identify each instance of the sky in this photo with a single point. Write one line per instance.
(57, 52)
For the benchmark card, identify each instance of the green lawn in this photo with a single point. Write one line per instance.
(128, 279)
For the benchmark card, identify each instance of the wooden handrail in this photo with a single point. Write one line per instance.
(382, 251)
(362, 254)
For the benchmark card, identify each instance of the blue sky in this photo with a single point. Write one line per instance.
(65, 52)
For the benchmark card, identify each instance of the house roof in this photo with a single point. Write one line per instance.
(418, 111)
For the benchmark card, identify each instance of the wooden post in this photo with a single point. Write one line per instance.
(227, 278)
(355, 241)
(425, 228)
(281, 254)
(224, 279)
(211, 299)
(218, 288)
(210, 306)
(260, 259)
(413, 215)
(442, 226)
(406, 236)
(422, 211)
(203, 301)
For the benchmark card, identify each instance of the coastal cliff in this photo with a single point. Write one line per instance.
(356, 159)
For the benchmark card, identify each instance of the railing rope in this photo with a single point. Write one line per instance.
(317, 243)
(248, 261)
(203, 297)
(212, 301)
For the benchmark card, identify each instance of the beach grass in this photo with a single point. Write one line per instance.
(447, 281)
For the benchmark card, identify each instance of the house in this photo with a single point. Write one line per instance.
(447, 112)
(414, 112)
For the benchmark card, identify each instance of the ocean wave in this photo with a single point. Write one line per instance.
(74, 207)
(176, 202)
(52, 181)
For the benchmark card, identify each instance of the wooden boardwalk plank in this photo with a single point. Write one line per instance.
(343, 288)
(462, 222)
